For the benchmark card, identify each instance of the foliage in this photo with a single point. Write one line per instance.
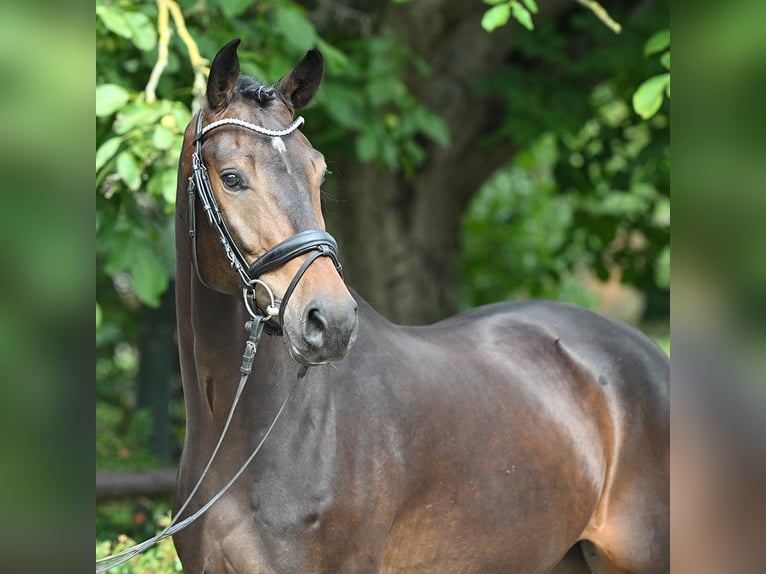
(603, 194)
(618, 171)
(368, 100)
(502, 10)
(516, 241)
(648, 97)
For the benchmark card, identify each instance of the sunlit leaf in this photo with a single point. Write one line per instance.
(148, 276)
(114, 19)
(648, 97)
(143, 30)
(137, 114)
(106, 151)
(129, 170)
(162, 137)
(665, 59)
(531, 6)
(163, 184)
(495, 17)
(522, 15)
(110, 98)
(657, 43)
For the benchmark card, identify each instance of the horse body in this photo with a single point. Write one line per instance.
(491, 442)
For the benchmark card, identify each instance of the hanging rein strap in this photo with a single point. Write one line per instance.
(316, 242)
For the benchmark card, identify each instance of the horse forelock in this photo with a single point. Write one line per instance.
(254, 90)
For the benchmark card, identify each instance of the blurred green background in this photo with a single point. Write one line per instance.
(479, 152)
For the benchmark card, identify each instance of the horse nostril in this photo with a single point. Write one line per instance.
(314, 328)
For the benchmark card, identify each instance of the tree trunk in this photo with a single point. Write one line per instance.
(400, 237)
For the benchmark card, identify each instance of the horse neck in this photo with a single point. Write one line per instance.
(211, 336)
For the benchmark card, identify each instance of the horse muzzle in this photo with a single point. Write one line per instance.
(325, 331)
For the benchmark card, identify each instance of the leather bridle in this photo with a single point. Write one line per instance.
(315, 242)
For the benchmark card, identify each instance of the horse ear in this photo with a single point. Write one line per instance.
(224, 73)
(300, 84)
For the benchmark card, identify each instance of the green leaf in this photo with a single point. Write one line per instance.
(531, 6)
(148, 275)
(106, 151)
(129, 170)
(366, 146)
(163, 138)
(436, 129)
(233, 8)
(143, 33)
(110, 98)
(345, 106)
(648, 97)
(114, 20)
(99, 316)
(495, 17)
(522, 15)
(135, 115)
(295, 28)
(334, 58)
(657, 43)
(665, 59)
(163, 184)
(662, 268)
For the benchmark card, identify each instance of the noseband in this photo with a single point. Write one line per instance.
(316, 242)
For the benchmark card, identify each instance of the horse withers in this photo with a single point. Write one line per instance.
(524, 437)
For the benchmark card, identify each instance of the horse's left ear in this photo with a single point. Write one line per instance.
(300, 84)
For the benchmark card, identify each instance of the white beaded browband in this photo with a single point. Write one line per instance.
(256, 128)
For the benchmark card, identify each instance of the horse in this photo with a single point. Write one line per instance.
(521, 437)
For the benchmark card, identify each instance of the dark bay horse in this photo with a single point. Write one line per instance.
(516, 438)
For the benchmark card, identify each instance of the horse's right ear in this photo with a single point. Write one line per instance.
(224, 73)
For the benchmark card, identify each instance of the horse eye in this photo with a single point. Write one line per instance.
(231, 180)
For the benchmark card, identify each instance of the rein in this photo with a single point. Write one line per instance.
(317, 243)
(113, 560)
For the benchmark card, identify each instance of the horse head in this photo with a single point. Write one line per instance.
(263, 180)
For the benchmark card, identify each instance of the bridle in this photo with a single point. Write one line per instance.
(316, 242)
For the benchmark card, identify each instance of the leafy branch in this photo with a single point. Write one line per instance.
(502, 10)
(168, 8)
(648, 98)
(600, 12)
